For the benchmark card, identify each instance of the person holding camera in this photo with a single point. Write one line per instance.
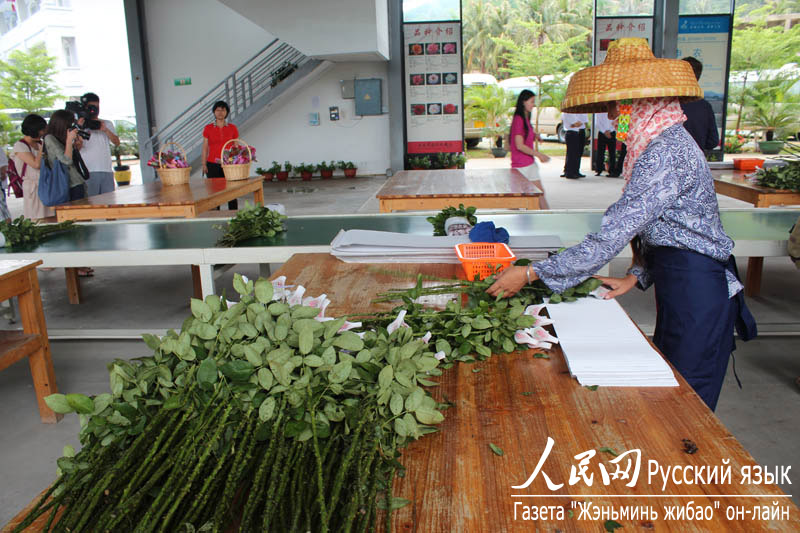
(62, 143)
(96, 150)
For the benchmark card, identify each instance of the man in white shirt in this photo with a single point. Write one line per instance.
(606, 140)
(575, 126)
(96, 151)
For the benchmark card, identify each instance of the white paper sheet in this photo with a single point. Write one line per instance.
(604, 347)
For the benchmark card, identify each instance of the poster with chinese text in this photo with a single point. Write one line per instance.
(433, 87)
(611, 29)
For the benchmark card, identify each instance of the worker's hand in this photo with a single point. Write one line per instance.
(205, 169)
(544, 158)
(510, 281)
(618, 286)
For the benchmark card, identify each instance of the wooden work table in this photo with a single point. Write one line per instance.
(18, 278)
(155, 200)
(734, 183)
(456, 483)
(411, 190)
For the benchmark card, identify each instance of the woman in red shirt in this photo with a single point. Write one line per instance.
(215, 135)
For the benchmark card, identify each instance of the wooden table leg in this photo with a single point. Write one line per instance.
(197, 285)
(258, 195)
(385, 206)
(73, 285)
(752, 283)
(44, 376)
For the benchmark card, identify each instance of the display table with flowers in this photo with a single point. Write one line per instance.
(155, 200)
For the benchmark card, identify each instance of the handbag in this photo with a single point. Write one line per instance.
(53, 182)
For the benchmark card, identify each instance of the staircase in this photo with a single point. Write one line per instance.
(247, 90)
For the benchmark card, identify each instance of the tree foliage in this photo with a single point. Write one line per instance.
(26, 81)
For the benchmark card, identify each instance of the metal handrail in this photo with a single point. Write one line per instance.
(242, 88)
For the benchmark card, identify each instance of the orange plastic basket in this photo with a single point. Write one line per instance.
(747, 163)
(483, 259)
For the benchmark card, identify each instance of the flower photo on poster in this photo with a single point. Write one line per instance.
(434, 109)
(450, 109)
(434, 78)
(449, 48)
(417, 109)
(417, 79)
(450, 78)
(433, 49)
(415, 50)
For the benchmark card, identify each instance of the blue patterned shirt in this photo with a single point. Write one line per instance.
(669, 201)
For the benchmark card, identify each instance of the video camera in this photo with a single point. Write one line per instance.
(89, 115)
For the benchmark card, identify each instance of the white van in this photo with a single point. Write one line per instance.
(472, 129)
(549, 117)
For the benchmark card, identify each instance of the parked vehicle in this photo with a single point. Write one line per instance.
(473, 128)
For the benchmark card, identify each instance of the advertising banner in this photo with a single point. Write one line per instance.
(433, 87)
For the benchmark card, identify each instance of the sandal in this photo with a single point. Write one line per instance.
(85, 272)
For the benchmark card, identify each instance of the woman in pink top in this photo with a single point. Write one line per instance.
(523, 156)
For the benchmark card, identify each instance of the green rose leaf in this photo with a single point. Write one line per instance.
(313, 361)
(348, 341)
(306, 341)
(101, 401)
(253, 355)
(396, 404)
(414, 400)
(481, 323)
(82, 404)
(400, 427)
(393, 504)
(385, 377)
(265, 378)
(267, 409)
(428, 416)
(58, 403)
(201, 310)
(240, 286)
(496, 449)
(264, 291)
(303, 311)
(207, 373)
(237, 370)
(340, 372)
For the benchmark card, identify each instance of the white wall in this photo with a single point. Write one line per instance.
(186, 49)
(199, 39)
(285, 134)
(325, 29)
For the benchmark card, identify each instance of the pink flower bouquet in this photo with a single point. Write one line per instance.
(237, 154)
(169, 159)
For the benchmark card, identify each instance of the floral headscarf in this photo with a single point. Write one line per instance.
(649, 117)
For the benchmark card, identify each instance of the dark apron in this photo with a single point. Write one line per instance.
(696, 318)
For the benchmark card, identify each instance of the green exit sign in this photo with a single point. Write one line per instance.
(183, 81)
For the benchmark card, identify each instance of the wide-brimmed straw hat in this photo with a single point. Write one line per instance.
(630, 70)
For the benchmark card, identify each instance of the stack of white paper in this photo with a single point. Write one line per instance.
(365, 246)
(603, 347)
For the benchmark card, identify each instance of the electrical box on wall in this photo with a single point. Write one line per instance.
(334, 112)
(368, 96)
(347, 88)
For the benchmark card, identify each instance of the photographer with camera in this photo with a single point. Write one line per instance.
(96, 151)
(62, 143)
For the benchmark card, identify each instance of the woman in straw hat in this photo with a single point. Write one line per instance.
(668, 212)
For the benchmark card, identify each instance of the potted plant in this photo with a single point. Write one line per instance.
(460, 160)
(774, 111)
(446, 160)
(349, 168)
(122, 173)
(270, 172)
(305, 171)
(490, 105)
(419, 162)
(128, 145)
(283, 175)
(326, 169)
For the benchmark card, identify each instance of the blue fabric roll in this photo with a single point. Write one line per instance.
(696, 318)
(486, 232)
